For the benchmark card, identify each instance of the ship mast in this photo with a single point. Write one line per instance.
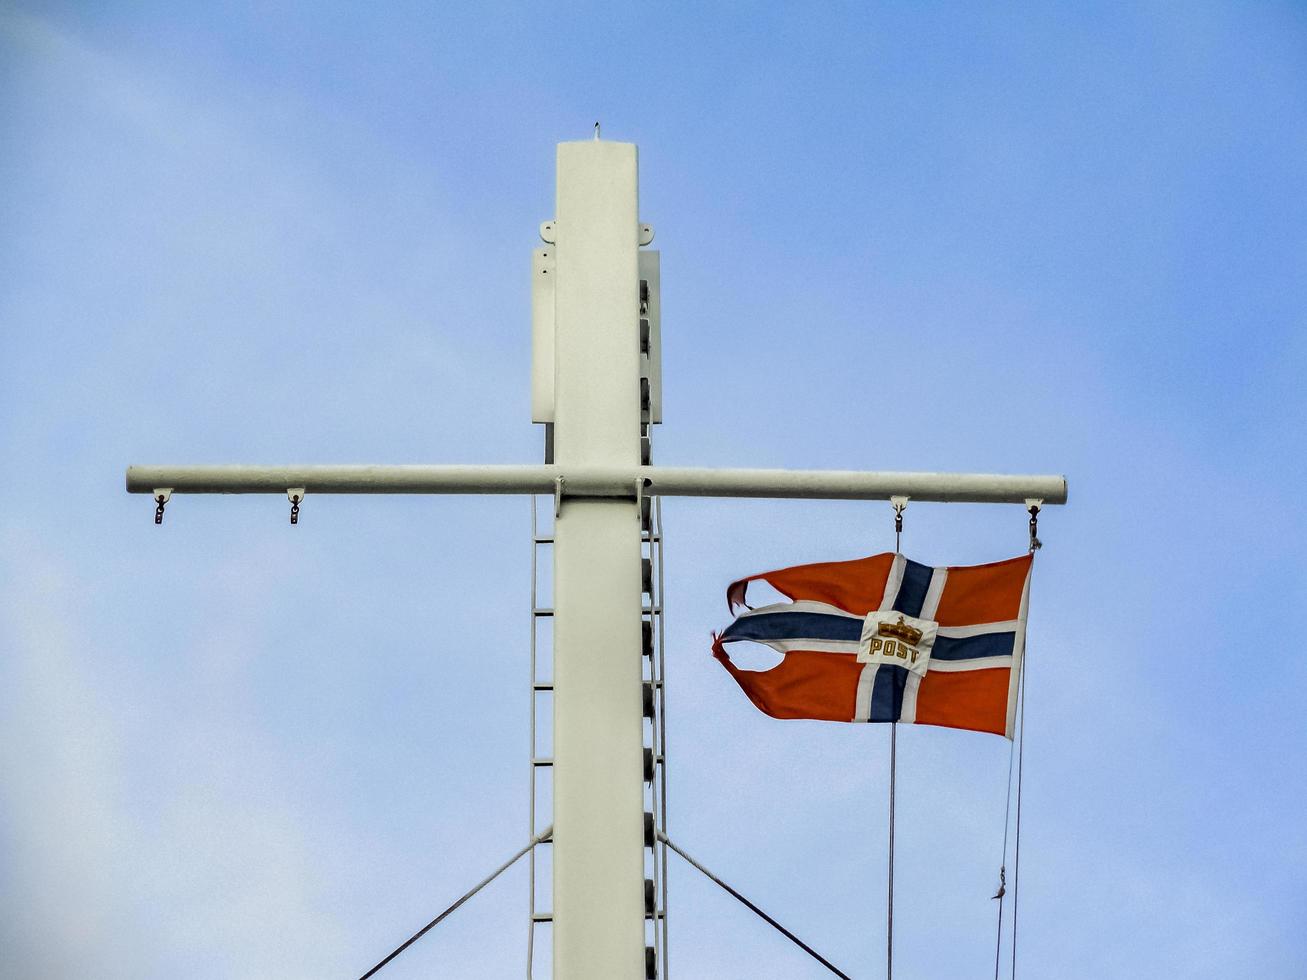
(597, 389)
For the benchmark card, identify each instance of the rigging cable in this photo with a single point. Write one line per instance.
(889, 905)
(1002, 868)
(1035, 544)
(757, 911)
(1016, 858)
(1017, 748)
(544, 835)
(899, 504)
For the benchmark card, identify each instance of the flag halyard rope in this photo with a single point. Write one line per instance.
(889, 903)
(1016, 751)
(1035, 544)
(900, 504)
(1016, 849)
(1002, 868)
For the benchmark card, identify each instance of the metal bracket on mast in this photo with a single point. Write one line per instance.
(640, 484)
(558, 497)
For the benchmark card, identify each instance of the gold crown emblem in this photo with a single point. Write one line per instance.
(900, 631)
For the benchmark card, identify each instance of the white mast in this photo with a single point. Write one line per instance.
(598, 714)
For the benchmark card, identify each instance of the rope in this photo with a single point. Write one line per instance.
(757, 911)
(1016, 860)
(543, 836)
(1002, 868)
(900, 505)
(1017, 750)
(1035, 545)
(889, 903)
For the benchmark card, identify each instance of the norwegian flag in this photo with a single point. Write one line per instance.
(886, 638)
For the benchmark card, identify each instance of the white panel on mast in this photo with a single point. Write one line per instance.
(651, 319)
(543, 276)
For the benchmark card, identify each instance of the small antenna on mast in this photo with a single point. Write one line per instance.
(596, 130)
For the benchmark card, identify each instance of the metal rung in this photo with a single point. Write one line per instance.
(541, 686)
(545, 611)
(647, 610)
(646, 538)
(542, 762)
(542, 917)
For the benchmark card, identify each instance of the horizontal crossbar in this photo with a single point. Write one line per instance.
(589, 481)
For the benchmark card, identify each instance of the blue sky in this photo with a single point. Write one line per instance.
(893, 237)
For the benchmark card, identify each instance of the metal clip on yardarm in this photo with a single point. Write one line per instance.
(295, 495)
(1033, 505)
(161, 498)
(900, 504)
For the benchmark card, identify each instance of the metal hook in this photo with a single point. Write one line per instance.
(1032, 506)
(295, 495)
(161, 498)
(900, 504)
